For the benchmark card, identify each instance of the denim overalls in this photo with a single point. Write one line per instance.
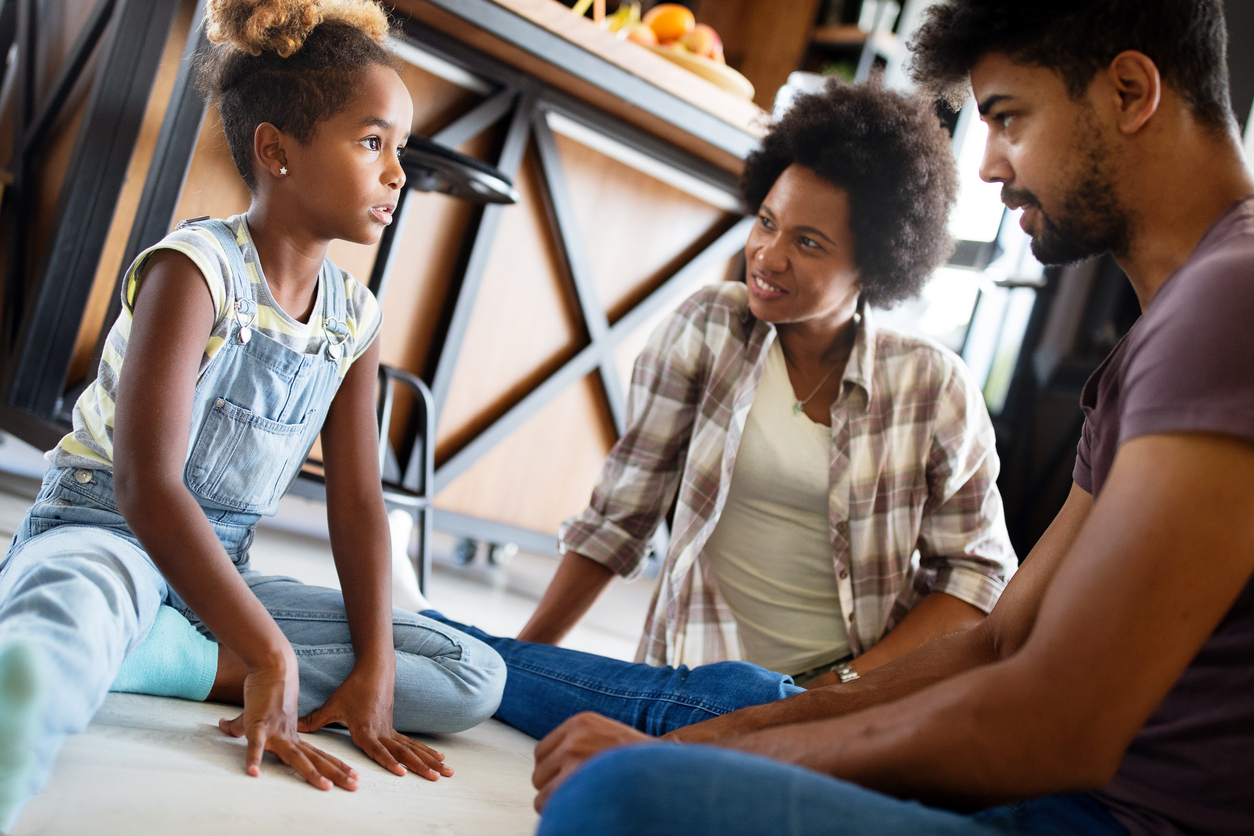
(78, 585)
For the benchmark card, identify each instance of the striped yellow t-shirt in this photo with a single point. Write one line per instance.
(90, 444)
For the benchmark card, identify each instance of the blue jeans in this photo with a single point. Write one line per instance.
(689, 790)
(548, 684)
(78, 587)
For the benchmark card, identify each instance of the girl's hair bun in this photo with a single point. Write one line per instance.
(281, 26)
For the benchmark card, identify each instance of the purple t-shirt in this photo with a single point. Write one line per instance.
(1188, 366)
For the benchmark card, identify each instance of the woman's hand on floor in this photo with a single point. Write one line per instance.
(568, 746)
(363, 703)
(269, 723)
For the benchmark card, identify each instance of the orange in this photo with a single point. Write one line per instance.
(670, 21)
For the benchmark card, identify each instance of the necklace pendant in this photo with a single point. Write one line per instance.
(797, 408)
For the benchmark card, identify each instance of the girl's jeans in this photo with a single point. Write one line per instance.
(77, 586)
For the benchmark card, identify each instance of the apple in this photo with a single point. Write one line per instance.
(640, 33)
(703, 41)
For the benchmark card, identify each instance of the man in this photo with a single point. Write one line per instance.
(1111, 690)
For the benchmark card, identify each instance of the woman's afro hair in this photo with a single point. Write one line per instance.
(890, 153)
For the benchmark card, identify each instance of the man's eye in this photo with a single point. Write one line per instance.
(372, 143)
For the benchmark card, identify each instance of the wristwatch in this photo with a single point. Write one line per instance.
(845, 672)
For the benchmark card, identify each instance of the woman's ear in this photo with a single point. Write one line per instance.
(270, 149)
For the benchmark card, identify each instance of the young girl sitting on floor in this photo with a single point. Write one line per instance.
(239, 342)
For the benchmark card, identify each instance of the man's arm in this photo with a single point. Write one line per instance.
(1162, 557)
(997, 636)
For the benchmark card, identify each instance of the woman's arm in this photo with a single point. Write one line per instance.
(571, 593)
(172, 321)
(361, 546)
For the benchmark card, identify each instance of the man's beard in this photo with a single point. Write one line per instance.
(1091, 222)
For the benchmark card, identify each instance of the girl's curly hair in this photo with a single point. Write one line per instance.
(292, 63)
(890, 153)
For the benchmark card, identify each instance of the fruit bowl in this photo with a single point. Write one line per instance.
(712, 71)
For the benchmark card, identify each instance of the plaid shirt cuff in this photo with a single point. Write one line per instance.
(970, 585)
(597, 538)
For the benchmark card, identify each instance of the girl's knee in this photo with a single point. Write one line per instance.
(466, 690)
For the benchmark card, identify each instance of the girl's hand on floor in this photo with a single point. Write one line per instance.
(269, 723)
(363, 703)
(568, 746)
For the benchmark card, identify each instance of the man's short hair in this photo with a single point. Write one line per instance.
(1186, 39)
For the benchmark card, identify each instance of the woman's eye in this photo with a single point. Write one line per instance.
(765, 221)
(372, 143)
(809, 243)
(1004, 119)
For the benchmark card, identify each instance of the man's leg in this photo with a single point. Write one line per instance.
(76, 599)
(547, 684)
(689, 790)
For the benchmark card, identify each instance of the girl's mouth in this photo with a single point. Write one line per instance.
(383, 213)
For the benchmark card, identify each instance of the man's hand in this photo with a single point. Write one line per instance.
(566, 748)
(269, 723)
(363, 703)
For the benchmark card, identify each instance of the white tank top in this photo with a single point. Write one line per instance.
(771, 550)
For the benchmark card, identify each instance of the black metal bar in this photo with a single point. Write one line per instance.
(17, 202)
(550, 47)
(102, 153)
(67, 76)
(564, 222)
(468, 291)
(385, 256)
(477, 120)
(587, 360)
(571, 371)
(171, 159)
(464, 525)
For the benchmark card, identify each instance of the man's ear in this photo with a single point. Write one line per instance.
(1135, 80)
(269, 149)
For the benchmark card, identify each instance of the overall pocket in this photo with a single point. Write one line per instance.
(243, 460)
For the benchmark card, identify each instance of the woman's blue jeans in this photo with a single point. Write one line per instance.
(688, 790)
(548, 684)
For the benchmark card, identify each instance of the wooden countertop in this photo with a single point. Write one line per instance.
(544, 39)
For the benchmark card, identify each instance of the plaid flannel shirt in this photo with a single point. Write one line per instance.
(913, 509)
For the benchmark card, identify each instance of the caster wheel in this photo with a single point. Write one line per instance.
(502, 553)
(464, 552)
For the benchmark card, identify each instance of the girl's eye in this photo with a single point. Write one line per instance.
(400, 151)
(372, 143)
(1004, 119)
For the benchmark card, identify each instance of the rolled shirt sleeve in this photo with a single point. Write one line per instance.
(964, 548)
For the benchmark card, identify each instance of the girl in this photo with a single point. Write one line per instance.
(240, 343)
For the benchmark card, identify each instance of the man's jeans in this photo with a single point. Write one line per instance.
(688, 790)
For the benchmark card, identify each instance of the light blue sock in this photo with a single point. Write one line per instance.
(175, 660)
(20, 689)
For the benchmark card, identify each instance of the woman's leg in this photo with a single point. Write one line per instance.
(548, 684)
(76, 599)
(688, 790)
(446, 681)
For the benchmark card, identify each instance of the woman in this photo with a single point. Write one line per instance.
(810, 453)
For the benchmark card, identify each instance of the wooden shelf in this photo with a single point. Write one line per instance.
(839, 34)
(848, 35)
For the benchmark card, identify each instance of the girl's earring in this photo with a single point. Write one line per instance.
(283, 170)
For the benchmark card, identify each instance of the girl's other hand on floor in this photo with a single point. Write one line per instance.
(363, 704)
(269, 723)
